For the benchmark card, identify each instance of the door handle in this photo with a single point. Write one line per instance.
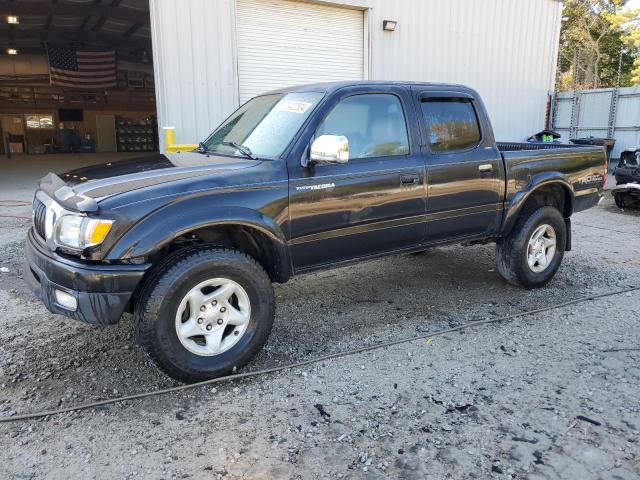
(409, 179)
(485, 168)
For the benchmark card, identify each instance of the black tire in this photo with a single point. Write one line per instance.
(620, 198)
(511, 251)
(160, 298)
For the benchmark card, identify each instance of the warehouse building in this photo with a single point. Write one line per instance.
(189, 63)
(212, 56)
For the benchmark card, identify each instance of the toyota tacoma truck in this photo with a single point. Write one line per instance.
(296, 180)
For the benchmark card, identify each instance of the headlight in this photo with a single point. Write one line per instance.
(79, 232)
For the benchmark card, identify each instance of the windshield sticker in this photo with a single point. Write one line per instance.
(293, 107)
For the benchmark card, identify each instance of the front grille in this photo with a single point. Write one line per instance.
(39, 216)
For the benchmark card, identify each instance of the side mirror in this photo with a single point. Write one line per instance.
(329, 149)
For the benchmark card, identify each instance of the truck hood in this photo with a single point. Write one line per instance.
(99, 181)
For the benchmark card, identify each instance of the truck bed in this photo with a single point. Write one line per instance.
(516, 146)
(582, 167)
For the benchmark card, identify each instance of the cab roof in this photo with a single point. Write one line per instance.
(328, 87)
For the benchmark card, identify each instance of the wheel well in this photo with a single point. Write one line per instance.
(552, 195)
(248, 240)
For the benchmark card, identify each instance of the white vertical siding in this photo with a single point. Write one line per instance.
(194, 63)
(505, 49)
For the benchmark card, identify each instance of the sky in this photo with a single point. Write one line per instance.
(633, 4)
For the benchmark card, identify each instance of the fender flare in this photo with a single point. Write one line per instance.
(537, 181)
(163, 226)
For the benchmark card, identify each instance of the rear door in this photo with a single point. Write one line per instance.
(373, 203)
(464, 168)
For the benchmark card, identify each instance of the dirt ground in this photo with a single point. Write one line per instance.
(555, 395)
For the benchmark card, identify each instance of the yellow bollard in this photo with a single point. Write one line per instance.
(170, 145)
(169, 136)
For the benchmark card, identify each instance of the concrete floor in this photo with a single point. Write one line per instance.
(19, 175)
(502, 400)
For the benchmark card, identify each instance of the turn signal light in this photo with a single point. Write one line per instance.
(97, 232)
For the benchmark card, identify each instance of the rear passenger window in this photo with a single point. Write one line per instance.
(452, 124)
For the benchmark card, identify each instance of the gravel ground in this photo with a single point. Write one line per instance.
(555, 395)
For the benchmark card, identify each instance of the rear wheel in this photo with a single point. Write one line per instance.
(532, 253)
(620, 200)
(205, 313)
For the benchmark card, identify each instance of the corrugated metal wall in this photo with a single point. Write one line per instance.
(591, 116)
(194, 64)
(505, 49)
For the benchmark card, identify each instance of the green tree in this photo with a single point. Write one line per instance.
(628, 23)
(593, 34)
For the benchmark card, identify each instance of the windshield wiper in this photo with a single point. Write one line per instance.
(246, 151)
(202, 148)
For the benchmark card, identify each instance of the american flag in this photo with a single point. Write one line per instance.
(76, 69)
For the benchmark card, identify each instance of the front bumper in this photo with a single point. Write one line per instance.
(102, 291)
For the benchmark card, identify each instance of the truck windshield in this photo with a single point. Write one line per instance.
(265, 125)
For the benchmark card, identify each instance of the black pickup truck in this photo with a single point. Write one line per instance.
(296, 180)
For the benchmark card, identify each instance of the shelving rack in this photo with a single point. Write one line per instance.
(137, 135)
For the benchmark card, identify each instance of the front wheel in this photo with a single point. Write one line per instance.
(205, 313)
(532, 253)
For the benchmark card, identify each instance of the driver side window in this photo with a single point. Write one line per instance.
(374, 124)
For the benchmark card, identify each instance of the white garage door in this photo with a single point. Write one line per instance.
(283, 43)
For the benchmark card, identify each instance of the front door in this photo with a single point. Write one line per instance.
(376, 201)
(464, 167)
(106, 133)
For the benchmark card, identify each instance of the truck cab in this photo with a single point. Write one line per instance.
(398, 138)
